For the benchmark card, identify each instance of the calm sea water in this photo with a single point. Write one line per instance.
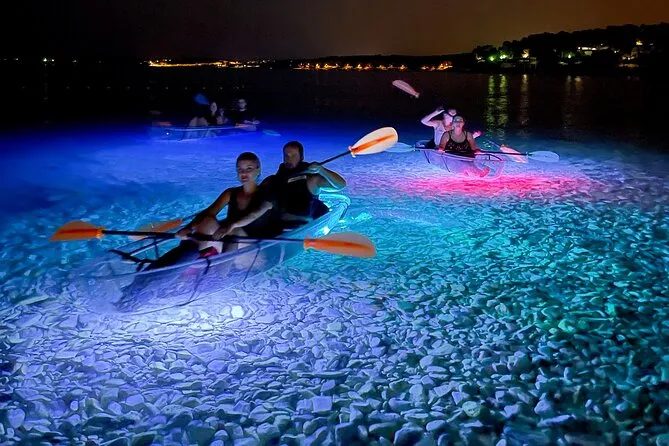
(624, 109)
(532, 308)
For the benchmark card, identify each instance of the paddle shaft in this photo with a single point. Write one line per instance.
(504, 153)
(509, 154)
(477, 153)
(348, 152)
(361, 148)
(196, 236)
(328, 160)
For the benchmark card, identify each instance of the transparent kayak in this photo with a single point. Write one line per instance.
(483, 165)
(116, 281)
(169, 133)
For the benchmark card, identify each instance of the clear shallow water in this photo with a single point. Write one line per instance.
(531, 309)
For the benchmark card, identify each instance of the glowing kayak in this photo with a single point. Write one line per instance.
(117, 282)
(169, 133)
(484, 165)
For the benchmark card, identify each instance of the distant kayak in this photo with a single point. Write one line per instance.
(484, 165)
(170, 133)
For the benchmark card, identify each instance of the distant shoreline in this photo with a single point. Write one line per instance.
(626, 50)
(32, 67)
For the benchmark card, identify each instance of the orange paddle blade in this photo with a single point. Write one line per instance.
(343, 243)
(513, 154)
(406, 88)
(158, 226)
(76, 230)
(375, 142)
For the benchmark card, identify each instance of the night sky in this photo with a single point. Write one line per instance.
(298, 28)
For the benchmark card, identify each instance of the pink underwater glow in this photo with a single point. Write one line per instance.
(527, 185)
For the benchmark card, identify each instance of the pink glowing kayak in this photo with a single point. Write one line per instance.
(483, 165)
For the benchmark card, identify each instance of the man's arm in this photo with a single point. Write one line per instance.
(323, 179)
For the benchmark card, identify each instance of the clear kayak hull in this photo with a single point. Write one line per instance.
(169, 133)
(114, 283)
(484, 165)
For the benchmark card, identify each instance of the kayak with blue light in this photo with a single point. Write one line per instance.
(119, 280)
(125, 280)
(172, 133)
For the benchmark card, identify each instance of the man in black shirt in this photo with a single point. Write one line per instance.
(242, 115)
(296, 186)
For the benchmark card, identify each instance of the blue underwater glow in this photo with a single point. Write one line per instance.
(531, 308)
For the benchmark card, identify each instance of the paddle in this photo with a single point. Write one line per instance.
(405, 87)
(201, 99)
(163, 226)
(343, 243)
(520, 157)
(375, 142)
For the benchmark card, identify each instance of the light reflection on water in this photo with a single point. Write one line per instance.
(497, 102)
(572, 105)
(523, 114)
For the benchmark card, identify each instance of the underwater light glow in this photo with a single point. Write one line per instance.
(521, 185)
(326, 230)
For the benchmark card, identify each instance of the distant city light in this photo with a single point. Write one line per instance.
(167, 63)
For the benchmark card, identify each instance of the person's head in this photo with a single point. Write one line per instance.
(241, 104)
(452, 112)
(248, 167)
(447, 119)
(213, 108)
(293, 154)
(458, 122)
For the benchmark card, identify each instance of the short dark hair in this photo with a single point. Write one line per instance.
(249, 156)
(298, 145)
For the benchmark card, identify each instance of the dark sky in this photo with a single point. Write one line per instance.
(298, 28)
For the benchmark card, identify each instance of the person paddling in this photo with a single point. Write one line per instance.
(460, 142)
(296, 186)
(248, 214)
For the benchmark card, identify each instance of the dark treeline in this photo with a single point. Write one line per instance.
(615, 49)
